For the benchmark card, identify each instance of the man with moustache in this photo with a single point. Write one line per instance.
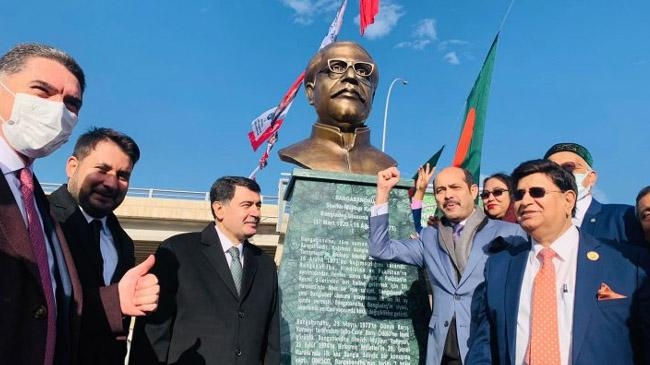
(41, 92)
(340, 82)
(219, 293)
(561, 296)
(453, 253)
(99, 172)
(616, 222)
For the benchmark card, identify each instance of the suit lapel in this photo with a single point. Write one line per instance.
(250, 268)
(588, 274)
(79, 233)
(213, 252)
(590, 220)
(512, 288)
(476, 253)
(445, 255)
(13, 228)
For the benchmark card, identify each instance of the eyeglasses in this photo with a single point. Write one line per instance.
(535, 193)
(496, 192)
(340, 66)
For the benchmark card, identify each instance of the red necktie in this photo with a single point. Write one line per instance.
(40, 254)
(544, 346)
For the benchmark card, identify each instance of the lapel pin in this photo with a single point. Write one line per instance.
(592, 255)
(592, 220)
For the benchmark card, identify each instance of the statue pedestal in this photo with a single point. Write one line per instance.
(339, 306)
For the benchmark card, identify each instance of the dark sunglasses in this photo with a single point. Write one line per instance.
(535, 193)
(496, 192)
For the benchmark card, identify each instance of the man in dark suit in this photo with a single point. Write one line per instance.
(219, 293)
(560, 296)
(98, 179)
(40, 294)
(615, 222)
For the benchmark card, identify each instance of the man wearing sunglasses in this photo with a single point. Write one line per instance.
(340, 82)
(615, 222)
(561, 296)
(453, 253)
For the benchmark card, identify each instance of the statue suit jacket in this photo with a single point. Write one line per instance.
(200, 318)
(103, 330)
(23, 310)
(451, 297)
(613, 331)
(612, 222)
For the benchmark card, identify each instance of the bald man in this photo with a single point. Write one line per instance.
(453, 253)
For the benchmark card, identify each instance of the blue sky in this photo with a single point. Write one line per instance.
(185, 79)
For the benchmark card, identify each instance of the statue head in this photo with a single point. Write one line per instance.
(340, 82)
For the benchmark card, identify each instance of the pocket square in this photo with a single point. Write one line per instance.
(606, 293)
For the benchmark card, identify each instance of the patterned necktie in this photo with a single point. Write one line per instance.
(458, 228)
(40, 254)
(544, 347)
(235, 267)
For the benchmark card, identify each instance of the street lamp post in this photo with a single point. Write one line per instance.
(390, 88)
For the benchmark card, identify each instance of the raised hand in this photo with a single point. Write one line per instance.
(139, 290)
(425, 173)
(386, 180)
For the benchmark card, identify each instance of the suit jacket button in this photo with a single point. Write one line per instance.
(446, 323)
(40, 312)
(238, 352)
(240, 314)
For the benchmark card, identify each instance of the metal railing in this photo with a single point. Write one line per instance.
(166, 194)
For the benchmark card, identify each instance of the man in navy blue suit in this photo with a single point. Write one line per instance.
(593, 296)
(616, 222)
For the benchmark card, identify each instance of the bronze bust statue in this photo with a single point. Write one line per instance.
(340, 82)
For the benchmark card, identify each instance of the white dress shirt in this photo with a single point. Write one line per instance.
(565, 262)
(226, 244)
(107, 248)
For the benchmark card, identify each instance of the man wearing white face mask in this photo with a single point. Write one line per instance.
(606, 221)
(40, 295)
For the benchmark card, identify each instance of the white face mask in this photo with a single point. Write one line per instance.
(582, 190)
(37, 126)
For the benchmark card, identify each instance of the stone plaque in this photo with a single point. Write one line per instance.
(339, 306)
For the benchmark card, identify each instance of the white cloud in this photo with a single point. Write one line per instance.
(444, 45)
(426, 29)
(451, 58)
(417, 44)
(424, 33)
(307, 10)
(385, 20)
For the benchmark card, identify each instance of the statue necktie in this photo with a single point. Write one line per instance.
(236, 268)
(544, 346)
(37, 238)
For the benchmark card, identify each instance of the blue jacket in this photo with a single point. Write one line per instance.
(613, 222)
(604, 331)
(451, 297)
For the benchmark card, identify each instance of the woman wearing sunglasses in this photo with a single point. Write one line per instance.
(497, 198)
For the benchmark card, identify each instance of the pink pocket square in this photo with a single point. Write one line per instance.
(606, 293)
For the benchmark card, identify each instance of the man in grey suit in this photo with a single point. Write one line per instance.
(453, 253)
